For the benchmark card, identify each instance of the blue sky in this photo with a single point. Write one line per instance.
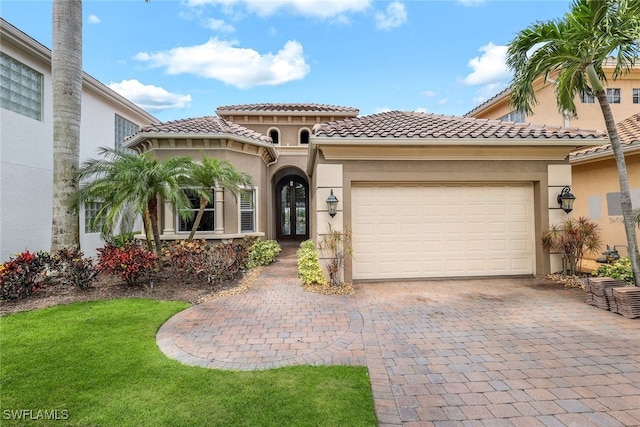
(180, 59)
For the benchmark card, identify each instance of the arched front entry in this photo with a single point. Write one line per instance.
(292, 208)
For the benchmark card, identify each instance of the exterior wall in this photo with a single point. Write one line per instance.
(26, 152)
(26, 172)
(253, 165)
(495, 171)
(589, 115)
(597, 188)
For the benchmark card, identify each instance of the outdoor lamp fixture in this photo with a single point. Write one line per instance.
(332, 203)
(566, 199)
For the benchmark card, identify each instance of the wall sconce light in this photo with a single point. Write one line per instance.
(332, 203)
(566, 199)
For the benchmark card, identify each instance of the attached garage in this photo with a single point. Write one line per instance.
(431, 196)
(423, 230)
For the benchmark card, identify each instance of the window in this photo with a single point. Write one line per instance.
(124, 128)
(613, 96)
(274, 135)
(247, 211)
(91, 210)
(304, 137)
(207, 223)
(587, 97)
(514, 116)
(636, 96)
(20, 88)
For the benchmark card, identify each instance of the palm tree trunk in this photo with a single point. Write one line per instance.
(147, 229)
(66, 74)
(196, 223)
(152, 207)
(625, 193)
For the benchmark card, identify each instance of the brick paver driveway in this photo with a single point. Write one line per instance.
(493, 352)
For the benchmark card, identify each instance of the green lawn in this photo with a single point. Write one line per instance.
(97, 364)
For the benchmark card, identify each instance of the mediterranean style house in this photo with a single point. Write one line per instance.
(26, 148)
(424, 195)
(623, 95)
(594, 170)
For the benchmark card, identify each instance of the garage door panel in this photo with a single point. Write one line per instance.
(442, 230)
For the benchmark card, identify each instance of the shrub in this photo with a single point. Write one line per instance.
(263, 252)
(129, 262)
(71, 268)
(23, 275)
(221, 262)
(572, 239)
(620, 270)
(120, 240)
(187, 257)
(309, 270)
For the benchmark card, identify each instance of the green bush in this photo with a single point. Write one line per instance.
(71, 268)
(263, 252)
(309, 270)
(620, 270)
(122, 239)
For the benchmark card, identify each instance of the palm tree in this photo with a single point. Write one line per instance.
(66, 74)
(128, 182)
(213, 172)
(575, 47)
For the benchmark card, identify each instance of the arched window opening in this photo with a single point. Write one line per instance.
(304, 137)
(275, 136)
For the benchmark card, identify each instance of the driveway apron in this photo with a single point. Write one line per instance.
(491, 352)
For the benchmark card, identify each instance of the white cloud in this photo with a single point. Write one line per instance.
(394, 16)
(149, 97)
(315, 8)
(240, 67)
(428, 93)
(489, 91)
(93, 19)
(490, 67)
(219, 25)
(443, 101)
(421, 110)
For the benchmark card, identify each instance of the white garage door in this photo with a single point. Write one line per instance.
(421, 231)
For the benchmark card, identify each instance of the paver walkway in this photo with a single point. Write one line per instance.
(494, 352)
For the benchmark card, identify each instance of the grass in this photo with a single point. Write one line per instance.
(97, 364)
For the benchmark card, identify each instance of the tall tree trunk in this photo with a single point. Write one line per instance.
(196, 223)
(147, 229)
(152, 207)
(625, 192)
(66, 73)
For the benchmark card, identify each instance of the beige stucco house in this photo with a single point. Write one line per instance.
(424, 195)
(596, 185)
(623, 94)
(594, 172)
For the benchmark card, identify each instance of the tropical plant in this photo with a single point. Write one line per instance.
(335, 246)
(23, 275)
(122, 182)
(621, 270)
(212, 172)
(572, 238)
(66, 77)
(576, 47)
(129, 262)
(263, 252)
(309, 270)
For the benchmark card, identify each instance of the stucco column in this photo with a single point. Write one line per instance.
(168, 219)
(219, 210)
(559, 176)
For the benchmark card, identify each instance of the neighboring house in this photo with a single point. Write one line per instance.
(26, 149)
(623, 94)
(424, 195)
(596, 184)
(595, 174)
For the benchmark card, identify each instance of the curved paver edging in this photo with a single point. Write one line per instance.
(275, 323)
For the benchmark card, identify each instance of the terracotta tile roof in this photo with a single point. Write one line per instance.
(204, 125)
(628, 131)
(285, 108)
(398, 124)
